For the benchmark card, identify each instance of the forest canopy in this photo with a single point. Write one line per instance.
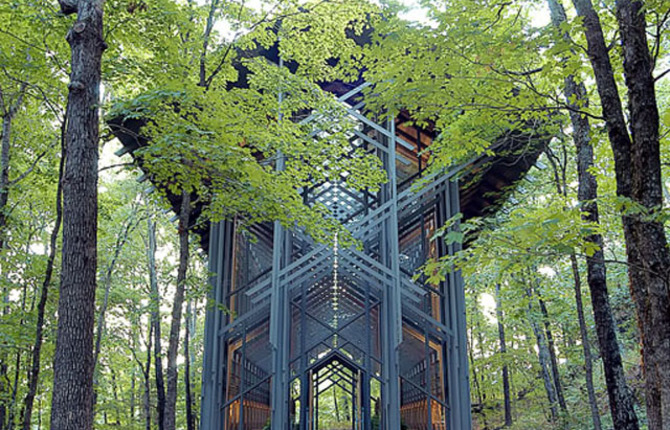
(103, 278)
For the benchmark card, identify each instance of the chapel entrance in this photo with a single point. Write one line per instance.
(335, 395)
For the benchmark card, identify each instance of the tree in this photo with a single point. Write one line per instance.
(620, 397)
(173, 345)
(72, 402)
(638, 178)
(155, 323)
(484, 77)
(503, 351)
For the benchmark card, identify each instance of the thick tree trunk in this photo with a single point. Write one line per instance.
(34, 375)
(649, 281)
(156, 324)
(72, 401)
(620, 396)
(638, 177)
(173, 346)
(503, 351)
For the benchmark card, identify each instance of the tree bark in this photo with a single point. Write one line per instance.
(173, 346)
(649, 281)
(638, 178)
(33, 380)
(503, 352)
(156, 323)
(72, 401)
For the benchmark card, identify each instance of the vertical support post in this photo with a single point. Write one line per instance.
(220, 246)
(243, 380)
(366, 407)
(304, 377)
(429, 381)
(279, 328)
(459, 377)
(392, 305)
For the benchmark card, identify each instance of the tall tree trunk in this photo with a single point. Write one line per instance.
(586, 346)
(156, 323)
(638, 177)
(72, 401)
(190, 417)
(556, 376)
(543, 356)
(620, 396)
(649, 281)
(173, 346)
(503, 352)
(34, 376)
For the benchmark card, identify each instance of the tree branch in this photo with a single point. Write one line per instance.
(27, 172)
(114, 166)
(665, 72)
(657, 36)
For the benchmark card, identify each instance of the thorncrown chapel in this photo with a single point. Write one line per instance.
(307, 336)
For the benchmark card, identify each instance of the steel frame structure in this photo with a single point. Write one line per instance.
(284, 308)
